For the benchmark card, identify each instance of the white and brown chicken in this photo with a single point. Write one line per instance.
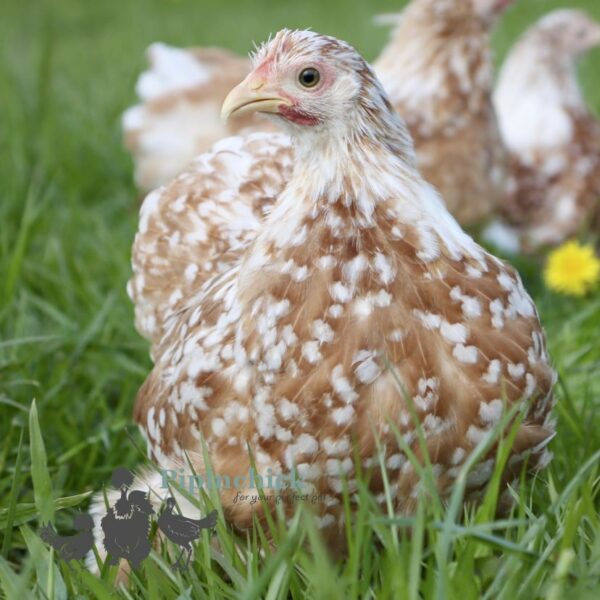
(552, 136)
(356, 297)
(201, 214)
(178, 116)
(437, 70)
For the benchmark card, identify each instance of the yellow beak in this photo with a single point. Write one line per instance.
(252, 95)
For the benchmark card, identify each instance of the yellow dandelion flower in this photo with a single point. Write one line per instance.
(572, 269)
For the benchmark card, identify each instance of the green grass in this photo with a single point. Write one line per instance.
(67, 220)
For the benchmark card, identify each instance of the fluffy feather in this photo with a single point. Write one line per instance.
(181, 95)
(438, 72)
(197, 226)
(357, 266)
(553, 138)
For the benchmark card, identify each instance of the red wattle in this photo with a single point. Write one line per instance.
(296, 116)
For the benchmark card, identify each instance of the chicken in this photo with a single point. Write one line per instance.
(357, 298)
(438, 73)
(194, 227)
(181, 95)
(182, 530)
(71, 547)
(553, 138)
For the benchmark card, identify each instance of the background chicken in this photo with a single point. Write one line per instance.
(181, 96)
(437, 70)
(553, 138)
(357, 264)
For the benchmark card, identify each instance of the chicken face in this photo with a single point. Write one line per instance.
(573, 31)
(306, 84)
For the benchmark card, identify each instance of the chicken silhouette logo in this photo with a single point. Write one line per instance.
(73, 547)
(126, 528)
(182, 530)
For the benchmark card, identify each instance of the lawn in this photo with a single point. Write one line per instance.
(68, 214)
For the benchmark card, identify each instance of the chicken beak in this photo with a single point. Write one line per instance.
(252, 95)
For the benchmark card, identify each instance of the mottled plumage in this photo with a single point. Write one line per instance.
(196, 226)
(553, 138)
(357, 266)
(438, 72)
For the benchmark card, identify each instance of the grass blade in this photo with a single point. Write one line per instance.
(42, 486)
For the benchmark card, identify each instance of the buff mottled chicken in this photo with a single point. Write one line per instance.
(553, 138)
(201, 213)
(438, 73)
(358, 297)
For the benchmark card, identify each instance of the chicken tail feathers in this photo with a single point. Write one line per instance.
(209, 521)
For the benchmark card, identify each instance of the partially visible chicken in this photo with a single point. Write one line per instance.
(181, 96)
(438, 72)
(553, 137)
(194, 227)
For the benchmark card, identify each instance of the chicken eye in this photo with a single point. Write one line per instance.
(309, 77)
